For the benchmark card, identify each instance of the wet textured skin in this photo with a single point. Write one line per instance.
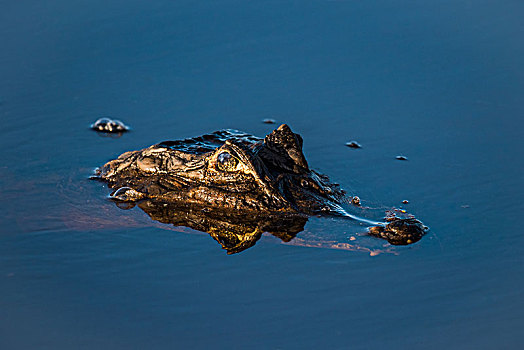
(219, 182)
(242, 173)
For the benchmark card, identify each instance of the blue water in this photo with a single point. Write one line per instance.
(440, 82)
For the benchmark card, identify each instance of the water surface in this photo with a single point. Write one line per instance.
(441, 83)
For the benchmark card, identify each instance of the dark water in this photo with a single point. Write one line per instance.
(440, 82)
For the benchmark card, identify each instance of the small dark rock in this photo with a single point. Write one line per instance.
(401, 157)
(399, 231)
(355, 200)
(405, 201)
(109, 125)
(353, 144)
(269, 121)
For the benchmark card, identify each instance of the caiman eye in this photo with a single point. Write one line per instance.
(226, 162)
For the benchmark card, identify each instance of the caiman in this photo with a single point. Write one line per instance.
(235, 186)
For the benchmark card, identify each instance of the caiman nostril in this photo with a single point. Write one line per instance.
(304, 183)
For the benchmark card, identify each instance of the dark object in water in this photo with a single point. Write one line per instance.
(399, 231)
(109, 125)
(405, 201)
(355, 200)
(229, 172)
(401, 157)
(269, 121)
(353, 144)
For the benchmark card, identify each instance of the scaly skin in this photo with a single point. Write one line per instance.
(241, 173)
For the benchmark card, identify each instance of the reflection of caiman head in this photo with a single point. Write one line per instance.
(227, 170)
(235, 231)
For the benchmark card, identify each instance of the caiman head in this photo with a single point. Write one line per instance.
(226, 170)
